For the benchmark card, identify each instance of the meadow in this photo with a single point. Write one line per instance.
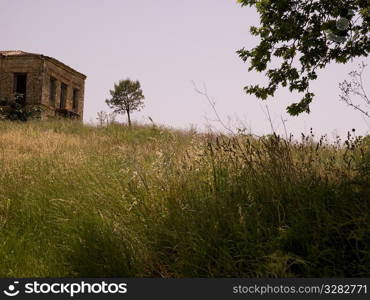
(146, 201)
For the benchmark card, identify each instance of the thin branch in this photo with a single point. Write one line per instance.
(355, 88)
(285, 130)
(212, 103)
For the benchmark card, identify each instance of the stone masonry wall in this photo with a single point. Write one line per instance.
(64, 75)
(30, 65)
(40, 69)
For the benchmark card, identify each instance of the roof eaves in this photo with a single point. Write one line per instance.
(52, 59)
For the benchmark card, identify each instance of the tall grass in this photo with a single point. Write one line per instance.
(113, 201)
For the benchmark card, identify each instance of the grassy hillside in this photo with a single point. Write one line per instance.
(93, 202)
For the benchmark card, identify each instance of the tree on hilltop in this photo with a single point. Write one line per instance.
(126, 97)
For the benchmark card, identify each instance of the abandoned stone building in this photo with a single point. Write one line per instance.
(43, 81)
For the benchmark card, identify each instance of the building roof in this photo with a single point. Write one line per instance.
(22, 53)
(15, 53)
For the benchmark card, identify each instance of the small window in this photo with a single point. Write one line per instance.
(20, 84)
(52, 91)
(76, 94)
(63, 95)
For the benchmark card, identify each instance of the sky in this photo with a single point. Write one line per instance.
(169, 46)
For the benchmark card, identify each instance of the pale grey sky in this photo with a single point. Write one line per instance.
(166, 44)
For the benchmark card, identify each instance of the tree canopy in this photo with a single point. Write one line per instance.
(126, 97)
(304, 36)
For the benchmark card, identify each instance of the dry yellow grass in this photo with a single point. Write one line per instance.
(78, 200)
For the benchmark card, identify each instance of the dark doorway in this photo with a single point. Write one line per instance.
(75, 99)
(63, 95)
(52, 91)
(20, 84)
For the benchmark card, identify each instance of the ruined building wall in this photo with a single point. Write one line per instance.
(62, 74)
(30, 65)
(41, 70)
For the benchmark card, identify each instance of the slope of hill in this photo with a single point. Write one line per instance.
(101, 202)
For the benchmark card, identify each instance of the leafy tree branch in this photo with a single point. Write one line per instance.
(304, 36)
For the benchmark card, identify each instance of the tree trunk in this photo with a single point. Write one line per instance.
(128, 118)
